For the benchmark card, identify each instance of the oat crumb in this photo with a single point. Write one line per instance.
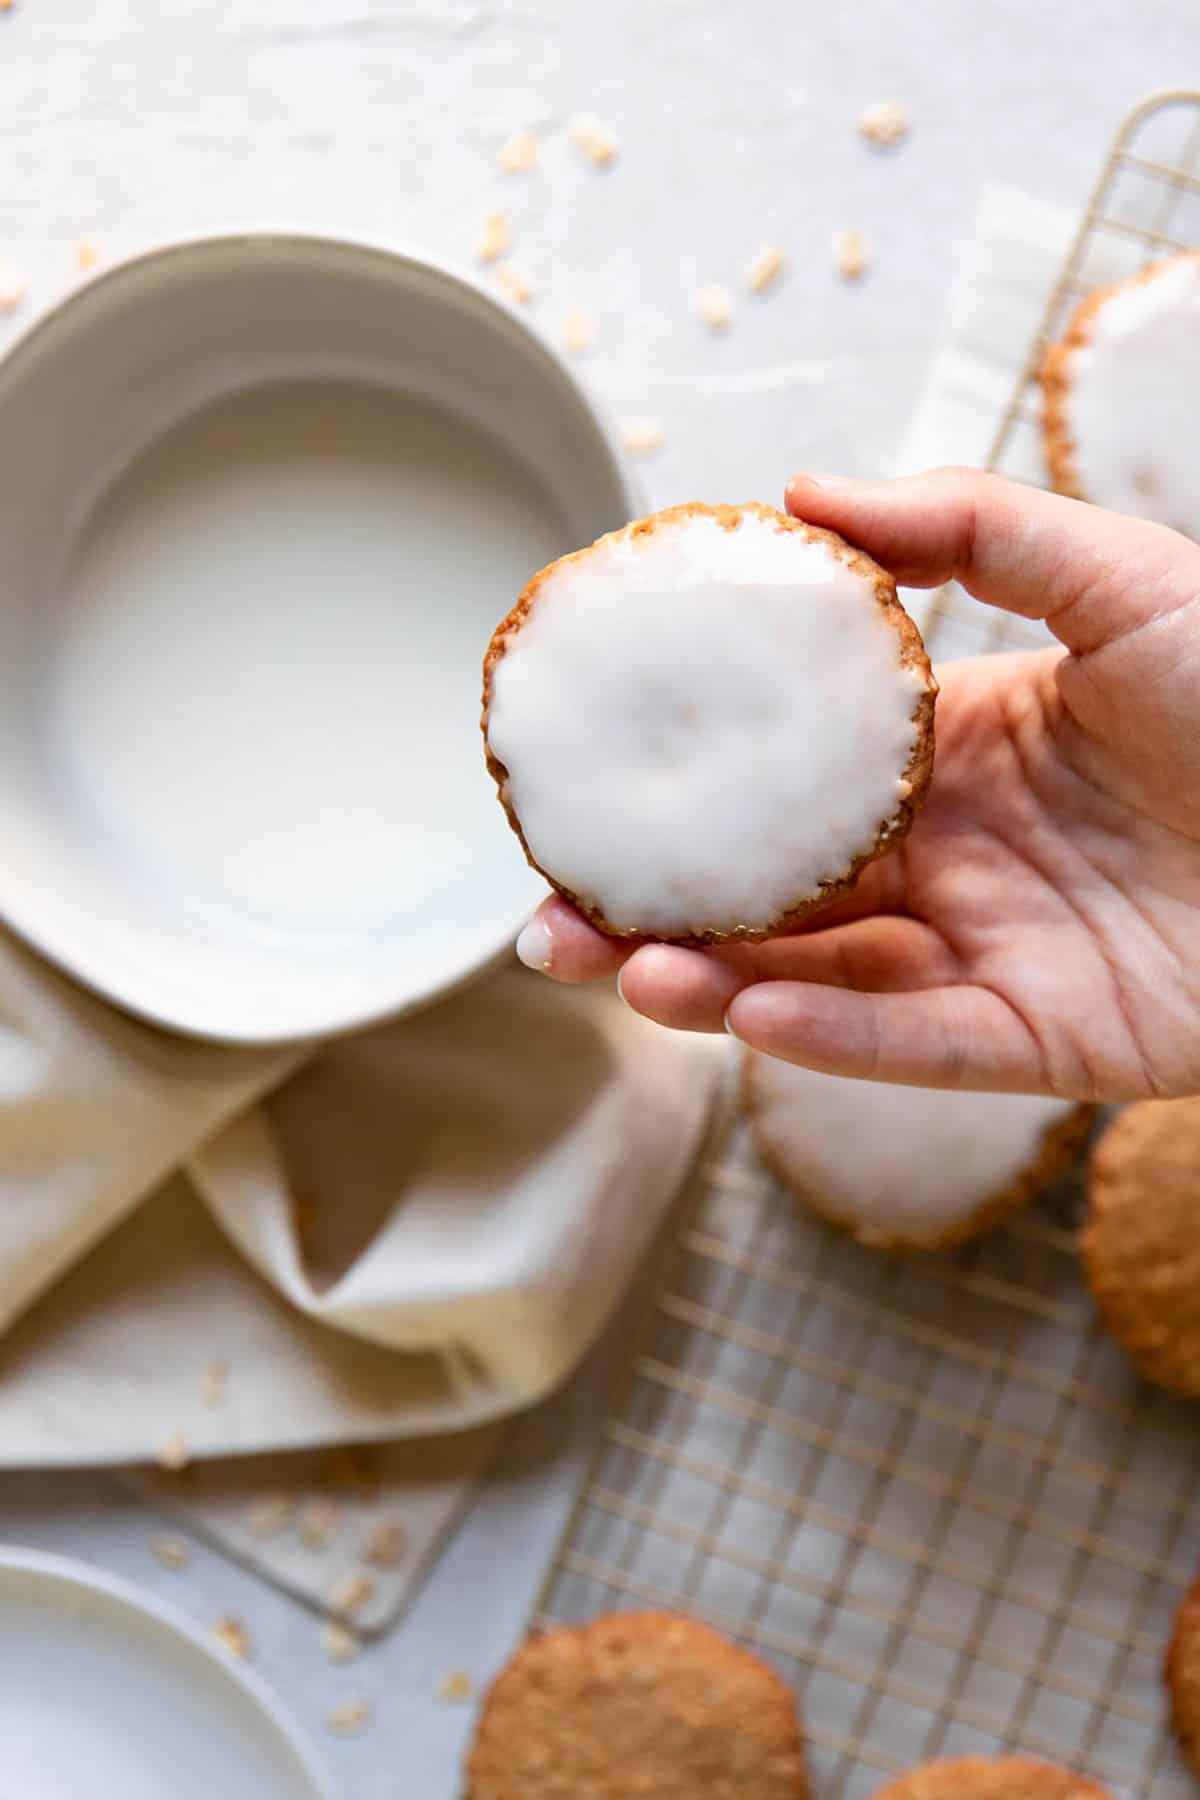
(338, 1644)
(495, 237)
(514, 284)
(316, 1522)
(714, 308)
(455, 1687)
(351, 1594)
(386, 1544)
(593, 138)
(216, 1379)
(236, 1639)
(765, 268)
(175, 1452)
(885, 123)
(520, 153)
(642, 437)
(851, 257)
(87, 253)
(350, 1716)
(14, 286)
(171, 1552)
(270, 1514)
(579, 332)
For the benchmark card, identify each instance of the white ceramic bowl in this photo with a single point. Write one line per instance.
(264, 498)
(109, 1694)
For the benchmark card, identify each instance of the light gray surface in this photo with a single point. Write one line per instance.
(145, 118)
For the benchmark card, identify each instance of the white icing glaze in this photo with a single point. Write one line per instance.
(896, 1161)
(1132, 399)
(700, 724)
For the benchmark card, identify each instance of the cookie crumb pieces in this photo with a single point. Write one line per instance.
(386, 1544)
(765, 268)
(455, 1687)
(233, 1634)
(351, 1594)
(339, 1644)
(174, 1452)
(270, 1514)
(514, 284)
(216, 1379)
(579, 332)
(316, 1522)
(87, 254)
(495, 237)
(14, 286)
(642, 437)
(713, 306)
(851, 257)
(593, 138)
(349, 1717)
(519, 153)
(885, 123)
(171, 1552)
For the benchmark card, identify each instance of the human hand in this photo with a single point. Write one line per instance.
(1039, 928)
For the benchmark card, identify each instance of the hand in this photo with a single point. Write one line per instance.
(1039, 929)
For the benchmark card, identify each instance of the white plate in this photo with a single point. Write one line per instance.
(265, 498)
(108, 1695)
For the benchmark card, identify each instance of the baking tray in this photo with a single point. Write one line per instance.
(929, 1490)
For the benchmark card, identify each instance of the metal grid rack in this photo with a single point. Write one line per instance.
(928, 1489)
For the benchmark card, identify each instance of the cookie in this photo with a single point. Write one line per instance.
(1141, 1238)
(1183, 1676)
(906, 1168)
(703, 726)
(991, 1778)
(647, 1703)
(1121, 392)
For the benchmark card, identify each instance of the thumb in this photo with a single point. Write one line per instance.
(1092, 576)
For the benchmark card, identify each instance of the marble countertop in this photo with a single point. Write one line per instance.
(141, 119)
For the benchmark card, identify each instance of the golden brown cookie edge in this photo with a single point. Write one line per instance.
(991, 1778)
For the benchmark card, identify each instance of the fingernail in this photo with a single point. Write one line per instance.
(535, 946)
(620, 979)
(730, 1029)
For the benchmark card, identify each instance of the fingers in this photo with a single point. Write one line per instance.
(558, 941)
(949, 1037)
(1091, 575)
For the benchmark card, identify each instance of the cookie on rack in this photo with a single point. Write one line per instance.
(1183, 1675)
(1141, 1238)
(1121, 393)
(991, 1778)
(644, 1702)
(905, 1168)
(704, 725)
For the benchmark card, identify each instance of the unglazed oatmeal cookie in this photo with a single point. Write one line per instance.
(991, 1778)
(647, 1703)
(703, 726)
(1121, 394)
(906, 1168)
(1141, 1238)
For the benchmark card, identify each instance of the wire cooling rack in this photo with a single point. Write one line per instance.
(928, 1489)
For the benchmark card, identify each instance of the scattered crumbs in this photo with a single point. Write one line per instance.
(514, 284)
(579, 332)
(352, 1466)
(270, 1514)
(850, 254)
(351, 1594)
(171, 1552)
(13, 284)
(175, 1452)
(316, 1521)
(885, 123)
(386, 1544)
(520, 153)
(339, 1644)
(216, 1379)
(349, 1717)
(765, 269)
(236, 1639)
(713, 306)
(455, 1687)
(591, 136)
(642, 437)
(495, 238)
(87, 253)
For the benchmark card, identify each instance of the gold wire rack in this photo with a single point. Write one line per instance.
(928, 1489)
